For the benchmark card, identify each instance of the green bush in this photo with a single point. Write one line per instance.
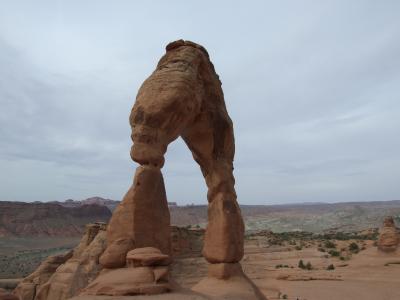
(301, 264)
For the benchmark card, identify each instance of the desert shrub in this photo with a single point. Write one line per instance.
(330, 244)
(284, 296)
(353, 247)
(342, 258)
(301, 264)
(334, 253)
(320, 249)
(278, 266)
(298, 247)
(331, 267)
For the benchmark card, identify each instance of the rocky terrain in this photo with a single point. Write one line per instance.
(287, 265)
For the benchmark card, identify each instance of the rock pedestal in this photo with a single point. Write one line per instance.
(146, 273)
(143, 215)
(389, 236)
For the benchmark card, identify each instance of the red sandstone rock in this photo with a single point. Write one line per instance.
(143, 214)
(61, 277)
(115, 254)
(147, 256)
(389, 236)
(26, 289)
(227, 281)
(182, 97)
(127, 281)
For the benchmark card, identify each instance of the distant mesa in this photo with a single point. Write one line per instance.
(20, 219)
(389, 236)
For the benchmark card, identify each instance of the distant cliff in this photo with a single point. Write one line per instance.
(48, 219)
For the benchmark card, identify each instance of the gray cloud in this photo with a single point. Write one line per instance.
(312, 87)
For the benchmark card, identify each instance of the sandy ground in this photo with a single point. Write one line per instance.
(366, 276)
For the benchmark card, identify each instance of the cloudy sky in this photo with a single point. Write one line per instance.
(313, 88)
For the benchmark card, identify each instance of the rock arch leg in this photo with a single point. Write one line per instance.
(213, 149)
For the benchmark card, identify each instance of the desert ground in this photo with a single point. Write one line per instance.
(346, 266)
(367, 274)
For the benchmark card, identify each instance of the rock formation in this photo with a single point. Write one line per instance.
(389, 236)
(182, 97)
(63, 276)
(146, 273)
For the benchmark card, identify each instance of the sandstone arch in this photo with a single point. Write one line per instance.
(182, 97)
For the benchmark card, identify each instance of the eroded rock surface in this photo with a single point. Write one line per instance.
(143, 214)
(63, 276)
(146, 273)
(182, 97)
(389, 236)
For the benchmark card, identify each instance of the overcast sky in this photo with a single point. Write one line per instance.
(313, 88)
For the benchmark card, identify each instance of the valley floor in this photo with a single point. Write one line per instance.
(367, 275)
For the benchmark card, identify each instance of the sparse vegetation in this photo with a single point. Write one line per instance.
(334, 253)
(303, 266)
(281, 266)
(330, 244)
(330, 267)
(354, 248)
